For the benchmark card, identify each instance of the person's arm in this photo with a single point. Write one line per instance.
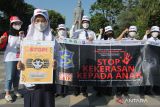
(146, 34)
(72, 30)
(3, 40)
(99, 37)
(100, 34)
(92, 36)
(20, 66)
(122, 34)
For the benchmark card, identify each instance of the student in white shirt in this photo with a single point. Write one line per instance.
(61, 90)
(154, 34)
(61, 32)
(11, 40)
(85, 33)
(128, 34)
(107, 35)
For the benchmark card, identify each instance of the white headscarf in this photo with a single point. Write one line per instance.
(33, 33)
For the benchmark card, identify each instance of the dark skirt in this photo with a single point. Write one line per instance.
(41, 96)
(61, 89)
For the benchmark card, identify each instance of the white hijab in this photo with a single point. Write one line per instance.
(33, 33)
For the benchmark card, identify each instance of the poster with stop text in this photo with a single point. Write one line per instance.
(37, 57)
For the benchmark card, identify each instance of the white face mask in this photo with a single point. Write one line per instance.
(85, 25)
(61, 33)
(16, 27)
(40, 26)
(154, 34)
(132, 34)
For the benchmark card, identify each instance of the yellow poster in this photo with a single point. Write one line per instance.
(37, 57)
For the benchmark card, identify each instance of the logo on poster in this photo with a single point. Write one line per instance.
(37, 63)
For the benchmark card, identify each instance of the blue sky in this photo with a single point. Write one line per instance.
(65, 7)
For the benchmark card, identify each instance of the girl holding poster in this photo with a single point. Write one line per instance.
(39, 30)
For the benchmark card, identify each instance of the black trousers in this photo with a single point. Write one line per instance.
(39, 98)
(121, 90)
(80, 89)
(61, 89)
(103, 90)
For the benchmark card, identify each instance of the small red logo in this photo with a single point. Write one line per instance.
(65, 76)
(120, 100)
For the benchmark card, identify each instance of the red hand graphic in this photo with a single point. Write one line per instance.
(127, 58)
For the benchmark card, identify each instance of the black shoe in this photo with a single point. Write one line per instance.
(63, 95)
(98, 94)
(108, 94)
(119, 94)
(126, 94)
(85, 94)
(148, 93)
(76, 93)
(56, 95)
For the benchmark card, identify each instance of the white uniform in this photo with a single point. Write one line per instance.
(99, 37)
(128, 38)
(151, 39)
(12, 50)
(81, 34)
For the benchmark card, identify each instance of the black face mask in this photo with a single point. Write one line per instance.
(108, 35)
(13, 32)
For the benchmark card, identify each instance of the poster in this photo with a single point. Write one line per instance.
(37, 57)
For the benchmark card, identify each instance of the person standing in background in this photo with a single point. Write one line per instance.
(11, 40)
(61, 90)
(82, 34)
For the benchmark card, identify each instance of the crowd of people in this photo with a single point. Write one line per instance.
(39, 30)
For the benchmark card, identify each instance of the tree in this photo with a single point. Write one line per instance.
(55, 19)
(11, 7)
(105, 12)
(18, 8)
(25, 12)
(98, 21)
(123, 13)
(128, 16)
(143, 15)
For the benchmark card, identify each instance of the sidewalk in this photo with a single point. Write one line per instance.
(94, 101)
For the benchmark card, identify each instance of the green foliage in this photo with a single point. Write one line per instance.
(104, 12)
(55, 19)
(98, 21)
(141, 13)
(25, 12)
